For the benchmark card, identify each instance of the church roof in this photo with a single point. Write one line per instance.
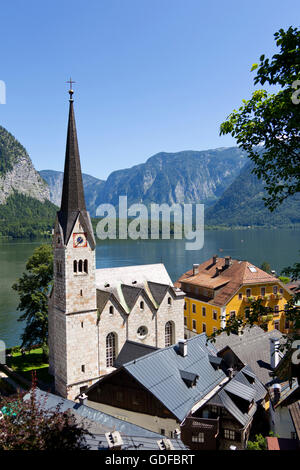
(132, 350)
(73, 201)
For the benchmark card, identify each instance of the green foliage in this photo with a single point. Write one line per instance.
(33, 289)
(25, 217)
(260, 443)
(266, 267)
(284, 279)
(272, 121)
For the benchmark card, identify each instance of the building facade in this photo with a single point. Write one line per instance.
(221, 288)
(92, 313)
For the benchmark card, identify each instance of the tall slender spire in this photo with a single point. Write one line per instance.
(72, 193)
(72, 200)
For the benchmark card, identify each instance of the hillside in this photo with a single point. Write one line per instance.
(25, 209)
(242, 205)
(92, 187)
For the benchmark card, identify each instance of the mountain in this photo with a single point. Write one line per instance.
(188, 176)
(92, 187)
(25, 209)
(242, 205)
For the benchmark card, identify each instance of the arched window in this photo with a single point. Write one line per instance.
(75, 266)
(110, 349)
(142, 305)
(80, 266)
(85, 266)
(169, 301)
(111, 310)
(169, 333)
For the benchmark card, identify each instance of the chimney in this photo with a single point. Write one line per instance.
(114, 440)
(182, 347)
(215, 258)
(275, 393)
(230, 372)
(195, 269)
(82, 398)
(274, 352)
(227, 261)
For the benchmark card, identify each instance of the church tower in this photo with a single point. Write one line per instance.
(73, 330)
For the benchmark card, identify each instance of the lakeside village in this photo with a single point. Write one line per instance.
(129, 354)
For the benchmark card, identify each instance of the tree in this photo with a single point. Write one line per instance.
(267, 125)
(33, 289)
(29, 425)
(266, 267)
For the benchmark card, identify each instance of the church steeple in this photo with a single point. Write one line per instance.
(72, 200)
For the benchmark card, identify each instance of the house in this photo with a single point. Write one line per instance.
(221, 288)
(108, 432)
(93, 312)
(183, 388)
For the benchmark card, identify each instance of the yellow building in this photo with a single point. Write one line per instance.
(222, 287)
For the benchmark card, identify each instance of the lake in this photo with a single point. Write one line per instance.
(278, 247)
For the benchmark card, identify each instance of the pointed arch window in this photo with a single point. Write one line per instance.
(111, 340)
(169, 333)
(75, 266)
(80, 266)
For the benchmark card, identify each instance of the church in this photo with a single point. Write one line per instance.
(94, 313)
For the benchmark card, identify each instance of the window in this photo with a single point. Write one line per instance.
(168, 333)
(275, 290)
(240, 295)
(262, 291)
(194, 324)
(83, 368)
(198, 437)
(111, 310)
(85, 266)
(185, 321)
(248, 292)
(142, 332)
(214, 409)
(110, 349)
(162, 432)
(280, 291)
(203, 311)
(75, 266)
(229, 434)
(80, 292)
(82, 324)
(232, 314)
(215, 315)
(215, 329)
(276, 310)
(194, 308)
(276, 325)
(80, 266)
(203, 328)
(142, 305)
(83, 389)
(169, 301)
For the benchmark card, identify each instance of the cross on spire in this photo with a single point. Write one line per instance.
(71, 88)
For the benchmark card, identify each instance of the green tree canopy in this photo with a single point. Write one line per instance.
(33, 289)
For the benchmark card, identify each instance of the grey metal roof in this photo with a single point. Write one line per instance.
(98, 423)
(231, 407)
(252, 348)
(158, 291)
(215, 360)
(240, 390)
(159, 372)
(132, 350)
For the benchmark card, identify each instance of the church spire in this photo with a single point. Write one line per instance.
(72, 200)
(72, 194)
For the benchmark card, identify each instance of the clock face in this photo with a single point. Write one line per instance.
(79, 240)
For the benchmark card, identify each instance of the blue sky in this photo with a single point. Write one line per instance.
(151, 75)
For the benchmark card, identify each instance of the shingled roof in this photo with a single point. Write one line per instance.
(224, 279)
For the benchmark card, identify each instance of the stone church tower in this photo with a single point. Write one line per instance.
(73, 341)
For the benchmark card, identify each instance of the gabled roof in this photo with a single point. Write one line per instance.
(132, 350)
(214, 275)
(252, 348)
(160, 372)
